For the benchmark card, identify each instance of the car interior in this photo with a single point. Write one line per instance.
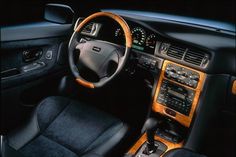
(118, 79)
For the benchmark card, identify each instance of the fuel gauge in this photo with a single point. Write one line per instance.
(151, 41)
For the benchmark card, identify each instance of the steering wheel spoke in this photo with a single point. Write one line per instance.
(79, 46)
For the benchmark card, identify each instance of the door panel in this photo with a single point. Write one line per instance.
(33, 61)
(42, 61)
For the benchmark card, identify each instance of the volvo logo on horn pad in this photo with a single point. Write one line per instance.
(96, 49)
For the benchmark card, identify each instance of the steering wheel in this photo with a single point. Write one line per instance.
(97, 55)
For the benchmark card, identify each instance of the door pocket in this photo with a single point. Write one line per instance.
(9, 73)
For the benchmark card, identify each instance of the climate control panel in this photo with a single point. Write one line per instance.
(182, 75)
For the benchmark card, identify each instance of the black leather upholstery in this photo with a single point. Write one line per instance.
(61, 127)
(181, 152)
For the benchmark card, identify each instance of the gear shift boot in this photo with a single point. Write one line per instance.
(151, 148)
(143, 150)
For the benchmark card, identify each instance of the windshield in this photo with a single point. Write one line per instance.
(218, 10)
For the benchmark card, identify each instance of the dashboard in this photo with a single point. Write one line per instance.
(150, 44)
(202, 47)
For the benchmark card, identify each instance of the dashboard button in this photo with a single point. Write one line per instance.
(170, 112)
(48, 54)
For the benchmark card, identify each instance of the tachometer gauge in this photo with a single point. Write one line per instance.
(151, 41)
(139, 36)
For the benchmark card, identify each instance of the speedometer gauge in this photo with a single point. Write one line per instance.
(139, 36)
(151, 41)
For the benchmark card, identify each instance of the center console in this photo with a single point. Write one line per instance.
(175, 101)
(178, 92)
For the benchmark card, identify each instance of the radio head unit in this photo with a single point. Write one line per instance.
(176, 97)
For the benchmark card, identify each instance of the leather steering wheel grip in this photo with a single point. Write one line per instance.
(128, 44)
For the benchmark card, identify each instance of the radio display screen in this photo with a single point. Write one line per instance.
(174, 93)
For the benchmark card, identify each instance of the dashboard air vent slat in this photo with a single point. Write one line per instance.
(91, 29)
(195, 57)
(176, 52)
(88, 28)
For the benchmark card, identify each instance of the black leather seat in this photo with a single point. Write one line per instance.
(61, 127)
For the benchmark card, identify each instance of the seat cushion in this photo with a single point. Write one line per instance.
(181, 152)
(62, 127)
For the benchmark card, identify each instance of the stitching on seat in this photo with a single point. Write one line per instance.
(83, 150)
(37, 120)
(59, 144)
(87, 148)
(37, 109)
(69, 102)
(57, 115)
(40, 132)
(33, 115)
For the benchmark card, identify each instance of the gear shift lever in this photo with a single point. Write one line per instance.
(150, 127)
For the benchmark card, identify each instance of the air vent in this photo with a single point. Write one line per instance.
(91, 29)
(88, 29)
(195, 57)
(176, 52)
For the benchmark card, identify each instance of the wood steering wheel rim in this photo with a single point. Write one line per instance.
(127, 35)
(117, 18)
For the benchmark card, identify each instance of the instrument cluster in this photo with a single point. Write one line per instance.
(143, 40)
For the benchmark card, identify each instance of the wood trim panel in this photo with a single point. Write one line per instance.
(143, 139)
(181, 118)
(85, 83)
(120, 20)
(234, 87)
